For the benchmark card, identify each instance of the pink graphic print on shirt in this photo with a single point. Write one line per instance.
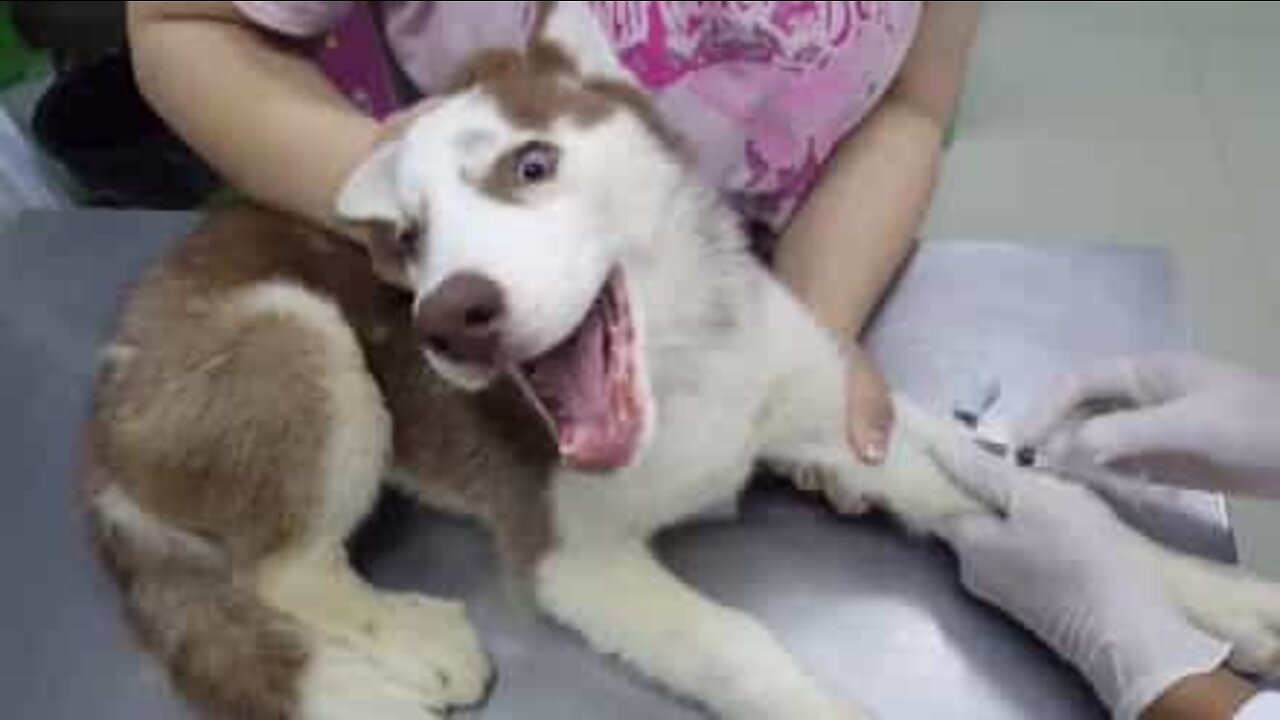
(664, 41)
(792, 76)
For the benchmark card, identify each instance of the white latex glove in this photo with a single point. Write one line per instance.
(1050, 559)
(1187, 421)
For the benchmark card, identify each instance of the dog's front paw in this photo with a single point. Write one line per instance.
(430, 645)
(1242, 610)
(843, 496)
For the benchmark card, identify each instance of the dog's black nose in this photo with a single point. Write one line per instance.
(462, 319)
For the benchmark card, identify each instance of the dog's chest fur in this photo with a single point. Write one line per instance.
(701, 311)
(487, 455)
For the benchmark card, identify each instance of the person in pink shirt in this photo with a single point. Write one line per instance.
(822, 122)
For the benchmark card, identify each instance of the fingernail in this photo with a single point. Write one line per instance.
(873, 451)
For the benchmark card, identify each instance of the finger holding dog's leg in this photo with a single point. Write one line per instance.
(808, 430)
(871, 412)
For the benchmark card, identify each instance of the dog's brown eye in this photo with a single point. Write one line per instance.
(535, 162)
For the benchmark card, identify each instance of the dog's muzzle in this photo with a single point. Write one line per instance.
(462, 320)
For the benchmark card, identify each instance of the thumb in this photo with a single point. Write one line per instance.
(397, 123)
(979, 542)
(870, 408)
(1126, 434)
(1071, 394)
(970, 533)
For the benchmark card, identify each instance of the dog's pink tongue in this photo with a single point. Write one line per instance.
(572, 382)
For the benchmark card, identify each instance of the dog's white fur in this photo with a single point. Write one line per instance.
(761, 382)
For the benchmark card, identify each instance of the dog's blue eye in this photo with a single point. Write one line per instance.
(536, 162)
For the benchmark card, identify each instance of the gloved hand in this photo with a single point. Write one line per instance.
(1189, 421)
(1048, 556)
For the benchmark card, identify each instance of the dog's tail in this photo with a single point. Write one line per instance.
(227, 652)
(232, 656)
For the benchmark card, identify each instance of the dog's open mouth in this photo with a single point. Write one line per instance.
(586, 387)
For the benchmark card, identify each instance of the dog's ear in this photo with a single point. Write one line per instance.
(369, 201)
(369, 196)
(573, 31)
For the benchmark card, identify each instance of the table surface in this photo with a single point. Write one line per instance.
(876, 617)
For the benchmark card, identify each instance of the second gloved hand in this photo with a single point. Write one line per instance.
(1188, 421)
(1050, 559)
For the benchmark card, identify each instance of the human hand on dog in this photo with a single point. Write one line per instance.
(1190, 421)
(395, 124)
(1048, 556)
(870, 408)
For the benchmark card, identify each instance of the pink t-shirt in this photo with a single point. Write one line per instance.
(763, 91)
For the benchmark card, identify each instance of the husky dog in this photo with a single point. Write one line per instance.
(564, 336)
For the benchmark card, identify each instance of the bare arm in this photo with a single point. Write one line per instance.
(845, 245)
(1216, 696)
(257, 110)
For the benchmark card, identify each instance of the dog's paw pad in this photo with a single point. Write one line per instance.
(814, 479)
(844, 499)
(807, 479)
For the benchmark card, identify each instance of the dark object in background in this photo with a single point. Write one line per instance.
(72, 32)
(94, 121)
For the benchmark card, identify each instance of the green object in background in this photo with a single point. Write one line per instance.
(222, 198)
(17, 61)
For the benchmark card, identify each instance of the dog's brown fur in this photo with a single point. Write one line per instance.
(214, 424)
(527, 85)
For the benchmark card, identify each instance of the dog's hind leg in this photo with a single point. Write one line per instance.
(238, 454)
(626, 604)
(422, 644)
(425, 644)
